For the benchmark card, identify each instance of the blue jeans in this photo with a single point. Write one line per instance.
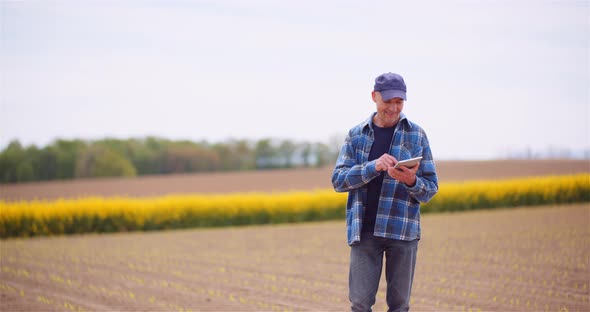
(366, 261)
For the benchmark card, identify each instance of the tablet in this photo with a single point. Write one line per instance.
(408, 162)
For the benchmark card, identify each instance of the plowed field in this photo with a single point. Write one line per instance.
(529, 259)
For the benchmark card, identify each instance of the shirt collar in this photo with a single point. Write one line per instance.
(368, 122)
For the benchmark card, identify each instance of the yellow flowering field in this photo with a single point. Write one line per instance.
(510, 193)
(97, 214)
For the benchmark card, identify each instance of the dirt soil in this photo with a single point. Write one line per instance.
(521, 259)
(271, 180)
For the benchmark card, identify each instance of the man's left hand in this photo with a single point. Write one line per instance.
(404, 174)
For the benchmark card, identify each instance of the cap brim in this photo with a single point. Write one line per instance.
(387, 95)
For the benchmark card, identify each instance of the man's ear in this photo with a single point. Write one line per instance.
(373, 95)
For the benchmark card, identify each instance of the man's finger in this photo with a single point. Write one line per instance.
(387, 160)
(394, 173)
(387, 156)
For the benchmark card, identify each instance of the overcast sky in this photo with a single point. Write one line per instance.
(484, 77)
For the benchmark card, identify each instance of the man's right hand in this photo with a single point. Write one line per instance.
(384, 162)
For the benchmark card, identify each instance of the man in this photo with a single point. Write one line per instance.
(383, 208)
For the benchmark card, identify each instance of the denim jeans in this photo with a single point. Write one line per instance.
(366, 261)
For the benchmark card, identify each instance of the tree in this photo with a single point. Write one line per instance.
(286, 153)
(323, 155)
(68, 153)
(189, 157)
(144, 154)
(10, 160)
(245, 156)
(235, 155)
(99, 161)
(265, 154)
(306, 153)
(66, 159)
(47, 169)
(28, 169)
(24, 172)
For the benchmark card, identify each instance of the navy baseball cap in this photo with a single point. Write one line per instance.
(390, 86)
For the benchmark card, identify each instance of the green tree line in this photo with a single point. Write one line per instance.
(71, 159)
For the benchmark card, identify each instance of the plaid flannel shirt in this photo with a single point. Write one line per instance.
(398, 213)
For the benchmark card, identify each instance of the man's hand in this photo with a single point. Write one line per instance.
(384, 162)
(404, 174)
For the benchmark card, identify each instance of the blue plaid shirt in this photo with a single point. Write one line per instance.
(398, 212)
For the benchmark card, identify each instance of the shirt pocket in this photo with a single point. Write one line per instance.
(410, 150)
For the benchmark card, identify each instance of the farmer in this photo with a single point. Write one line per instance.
(383, 209)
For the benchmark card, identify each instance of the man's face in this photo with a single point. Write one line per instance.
(388, 112)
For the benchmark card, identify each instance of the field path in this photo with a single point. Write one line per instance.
(522, 259)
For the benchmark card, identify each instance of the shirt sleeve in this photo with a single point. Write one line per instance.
(426, 178)
(348, 174)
